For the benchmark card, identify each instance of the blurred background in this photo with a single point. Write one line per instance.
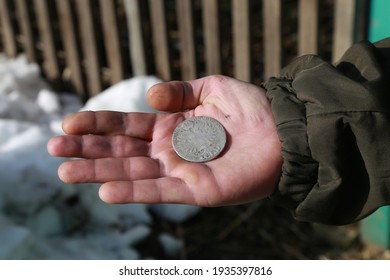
(61, 56)
(90, 45)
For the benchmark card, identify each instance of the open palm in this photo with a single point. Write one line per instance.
(132, 156)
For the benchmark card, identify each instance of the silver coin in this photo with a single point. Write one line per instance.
(199, 139)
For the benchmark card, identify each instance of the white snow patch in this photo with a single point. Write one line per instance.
(42, 218)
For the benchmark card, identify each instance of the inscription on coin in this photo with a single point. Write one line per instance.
(199, 139)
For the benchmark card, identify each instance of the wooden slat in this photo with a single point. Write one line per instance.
(10, 48)
(343, 27)
(160, 44)
(241, 39)
(137, 54)
(185, 23)
(88, 41)
(72, 56)
(111, 38)
(362, 19)
(272, 37)
(25, 29)
(84, 35)
(211, 36)
(50, 65)
(307, 27)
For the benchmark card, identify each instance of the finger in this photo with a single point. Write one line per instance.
(176, 95)
(108, 169)
(138, 125)
(97, 146)
(161, 190)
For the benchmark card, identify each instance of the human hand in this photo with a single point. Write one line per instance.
(132, 156)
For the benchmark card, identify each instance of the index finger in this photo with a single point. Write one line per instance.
(138, 125)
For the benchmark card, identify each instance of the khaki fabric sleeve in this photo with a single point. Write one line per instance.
(334, 125)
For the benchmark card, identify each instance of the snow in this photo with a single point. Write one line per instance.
(43, 218)
(170, 244)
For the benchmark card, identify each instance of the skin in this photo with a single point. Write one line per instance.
(131, 154)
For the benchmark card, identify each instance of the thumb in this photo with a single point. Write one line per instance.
(176, 95)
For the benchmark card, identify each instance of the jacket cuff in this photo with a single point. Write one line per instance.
(299, 170)
(327, 118)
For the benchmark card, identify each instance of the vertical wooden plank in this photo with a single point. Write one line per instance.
(343, 27)
(10, 48)
(25, 28)
(50, 65)
(111, 38)
(211, 36)
(72, 56)
(137, 54)
(272, 37)
(362, 15)
(160, 44)
(308, 27)
(241, 39)
(88, 42)
(185, 23)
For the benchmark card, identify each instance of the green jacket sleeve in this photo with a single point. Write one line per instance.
(334, 125)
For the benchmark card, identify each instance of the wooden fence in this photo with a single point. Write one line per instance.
(87, 45)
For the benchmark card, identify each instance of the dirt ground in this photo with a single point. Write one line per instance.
(259, 231)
